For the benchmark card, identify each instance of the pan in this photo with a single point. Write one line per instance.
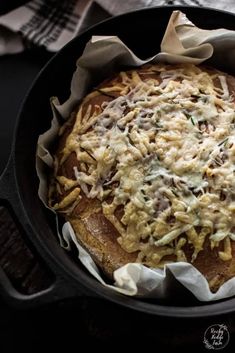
(142, 31)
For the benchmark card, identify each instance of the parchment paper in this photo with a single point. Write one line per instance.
(182, 42)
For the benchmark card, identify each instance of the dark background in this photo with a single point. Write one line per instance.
(70, 323)
(64, 324)
(17, 73)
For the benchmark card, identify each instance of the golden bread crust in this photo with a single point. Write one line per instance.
(92, 228)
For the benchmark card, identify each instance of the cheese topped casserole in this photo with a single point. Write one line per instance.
(145, 169)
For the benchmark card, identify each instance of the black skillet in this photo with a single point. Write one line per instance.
(142, 31)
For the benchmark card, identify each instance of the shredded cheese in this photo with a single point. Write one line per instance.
(168, 146)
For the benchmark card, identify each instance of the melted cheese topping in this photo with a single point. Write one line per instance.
(163, 151)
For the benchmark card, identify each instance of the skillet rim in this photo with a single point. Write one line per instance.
(201, 310)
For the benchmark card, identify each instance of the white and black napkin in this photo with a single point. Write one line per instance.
(52, 23)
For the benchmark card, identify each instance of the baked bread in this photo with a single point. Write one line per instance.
(144, 170)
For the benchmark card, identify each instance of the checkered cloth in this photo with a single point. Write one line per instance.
(47, 23)
(52, 23)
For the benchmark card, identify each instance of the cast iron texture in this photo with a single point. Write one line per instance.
(142, 31)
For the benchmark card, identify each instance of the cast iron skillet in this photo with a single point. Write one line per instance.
(142, 31)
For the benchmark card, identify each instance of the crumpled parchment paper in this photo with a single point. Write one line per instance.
(182, 42)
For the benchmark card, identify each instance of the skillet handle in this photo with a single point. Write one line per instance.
(55, 292)
(19, 258)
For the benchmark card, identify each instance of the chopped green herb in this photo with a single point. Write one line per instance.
(223, 142)
(192, 120)
(158, 126)
(174, 192)
(158, 113)
(188, 116)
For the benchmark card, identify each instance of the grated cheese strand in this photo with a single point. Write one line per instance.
(163, 151)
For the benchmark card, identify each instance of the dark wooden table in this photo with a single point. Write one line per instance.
(66, 323)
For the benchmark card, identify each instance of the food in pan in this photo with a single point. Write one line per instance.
(144, 170)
